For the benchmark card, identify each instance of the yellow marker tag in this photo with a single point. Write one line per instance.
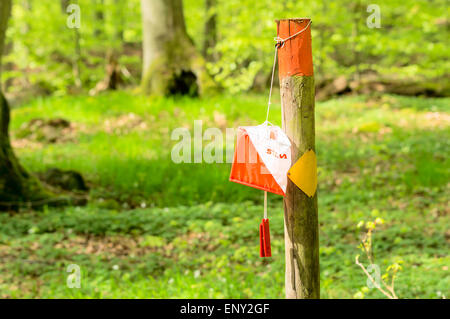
(304, 173)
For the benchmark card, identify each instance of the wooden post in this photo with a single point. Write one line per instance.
(301, 228)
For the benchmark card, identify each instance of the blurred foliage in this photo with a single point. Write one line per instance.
(155, 229)
(42, 47)
(411, 42)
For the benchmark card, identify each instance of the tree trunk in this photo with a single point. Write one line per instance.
(99, 18)
(16, 185)
(357, 8)
(301, 225)
(171, 63)
(5, 12)
(210, 31)
(64, 5)
(120, 21)
(77, 59)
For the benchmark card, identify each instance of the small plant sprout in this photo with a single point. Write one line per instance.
(373, 270)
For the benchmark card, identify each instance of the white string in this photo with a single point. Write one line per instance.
(271, 82)
(265, 205)
(280, 44)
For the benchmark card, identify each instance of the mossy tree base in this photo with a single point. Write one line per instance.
(16, 184)
(171, 63)
(178, 70)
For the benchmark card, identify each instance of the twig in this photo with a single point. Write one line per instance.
(372, 280)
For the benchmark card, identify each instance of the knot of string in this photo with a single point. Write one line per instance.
(281, 41)
(279, 44)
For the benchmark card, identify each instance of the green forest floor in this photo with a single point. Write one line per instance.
(155, 229)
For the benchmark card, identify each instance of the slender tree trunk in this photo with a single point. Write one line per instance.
(357, 9)
(99, 17)
(64, 5)
(322, 40)
(210, 31)
(120, 21)
(76, 64)
(15, 183)
(5, 12)
(171, 63)
(77, 60)
(301, 226)
(27, 6)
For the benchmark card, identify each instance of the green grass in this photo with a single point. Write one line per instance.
(155, 229)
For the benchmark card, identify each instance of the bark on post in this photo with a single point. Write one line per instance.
(300, 211)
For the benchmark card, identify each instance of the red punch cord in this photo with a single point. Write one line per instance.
(264, 239)
(264, 233)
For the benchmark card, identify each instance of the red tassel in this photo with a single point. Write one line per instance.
(264, 239)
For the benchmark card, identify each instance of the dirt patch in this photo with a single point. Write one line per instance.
(25, 143)
(118, 246)
(436, 119)
(220, 120)
(110, 245)
(47, 131)
(125, 124)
